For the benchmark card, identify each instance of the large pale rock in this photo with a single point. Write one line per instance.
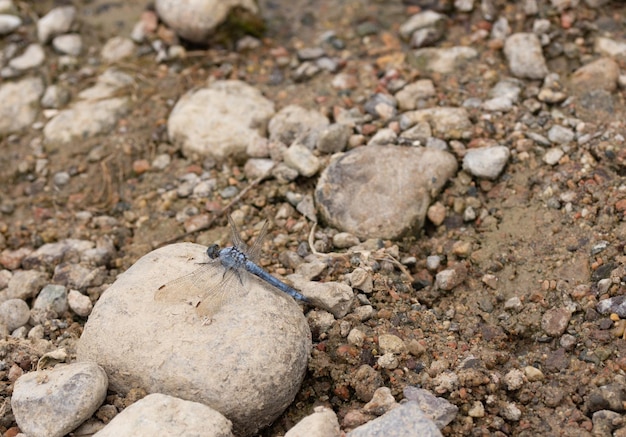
(51, 403)
(196, 20)
(247, 363)
(159, 414)
(382, 191)
(19, 104)
(220, 120)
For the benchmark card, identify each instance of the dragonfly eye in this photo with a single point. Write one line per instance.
(213, 251)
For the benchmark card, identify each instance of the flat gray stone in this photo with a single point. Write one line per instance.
(51, 403)
(247, 363)
(407, 420)
(438, 409)
(159, 414)
(382, 191)
(19, 104)
(211, 121)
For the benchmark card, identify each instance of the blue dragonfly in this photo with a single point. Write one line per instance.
(223, 277)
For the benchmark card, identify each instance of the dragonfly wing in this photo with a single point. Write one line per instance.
(235, 236)
(254, 252)
(190, 287)
(221, 292)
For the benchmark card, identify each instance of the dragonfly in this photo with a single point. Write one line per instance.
(223, 277)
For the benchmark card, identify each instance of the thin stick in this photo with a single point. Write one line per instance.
(219, 213)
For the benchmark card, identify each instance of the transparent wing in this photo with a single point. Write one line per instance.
(207, 288)
(236, 237)
(221, 293)
(190, 287)
(254, 252)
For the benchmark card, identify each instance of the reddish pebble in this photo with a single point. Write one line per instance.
(141, 166)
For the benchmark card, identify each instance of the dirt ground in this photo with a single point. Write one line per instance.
(546, 254)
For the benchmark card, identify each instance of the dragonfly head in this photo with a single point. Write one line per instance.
(213, 251)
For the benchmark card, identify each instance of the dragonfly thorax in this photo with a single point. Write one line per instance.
(232, 258)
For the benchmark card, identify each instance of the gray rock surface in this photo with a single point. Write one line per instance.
(196, 20)
(247, 363)
(210, 121)
(438, 409)
(367, 193)
(407, 420)
(159, 414)
(51, 403)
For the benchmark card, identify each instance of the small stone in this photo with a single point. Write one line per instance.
(436, 213)
(116, 49)
(390, 343)
(161, 161)
(323, 422)
(388, 361)
(52, 297)
(61, 178)
(334, 138)
(79, 303)
(55, 97)
(70, 44)
(433, 262)
(560, 135)
(356, 337)
(8, 23)
(476, 410)
(33, 57)
(554, 322)
(361, 279)
(300, 158)
(513, 303)
(57, 21)
(553, 155)
(14, 313)
(54, 402)
(525, 57)
(486, 162)
(511, 412)
(381, 402)
(409, 96)
(448, 279)
(344, 240)
(257, 167)
(25, 284)
(533, 374)
(514, 379)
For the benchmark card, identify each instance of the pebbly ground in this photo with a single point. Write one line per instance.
(497, 291)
